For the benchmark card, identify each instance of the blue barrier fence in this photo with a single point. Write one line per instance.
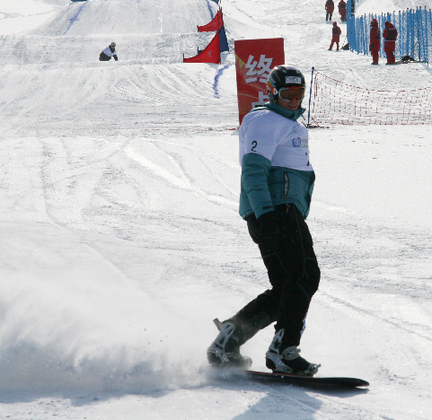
(414, 28)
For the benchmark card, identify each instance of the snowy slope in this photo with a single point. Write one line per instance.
(120, 238)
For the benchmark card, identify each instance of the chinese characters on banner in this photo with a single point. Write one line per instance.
(255, 58)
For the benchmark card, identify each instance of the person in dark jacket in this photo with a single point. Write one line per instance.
(390, 34)
(108, 53)
(336, 31)
(342, 10)
(277, 181)
(329, 7)
(375, 41)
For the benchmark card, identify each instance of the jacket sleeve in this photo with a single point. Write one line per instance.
(254, 178)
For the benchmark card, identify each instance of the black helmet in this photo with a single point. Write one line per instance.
(283, 76)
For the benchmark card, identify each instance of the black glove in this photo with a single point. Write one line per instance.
(269, 232)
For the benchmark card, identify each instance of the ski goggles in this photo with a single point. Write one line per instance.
(291, 93)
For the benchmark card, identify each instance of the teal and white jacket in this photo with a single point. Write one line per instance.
(274, 156)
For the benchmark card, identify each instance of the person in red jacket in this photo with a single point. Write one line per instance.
(329, 6)
(390, 34)
(342, 10)
(336, 31)
(375, 41)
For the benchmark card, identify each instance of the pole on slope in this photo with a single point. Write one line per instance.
(310, 96)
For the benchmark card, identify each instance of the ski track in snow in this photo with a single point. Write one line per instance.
(120, 238)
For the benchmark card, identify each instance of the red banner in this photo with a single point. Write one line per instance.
(211, 54)
(255, 58)
(214, 25)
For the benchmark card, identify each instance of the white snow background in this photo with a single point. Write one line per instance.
(120, 238)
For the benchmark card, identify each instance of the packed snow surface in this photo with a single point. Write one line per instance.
(120, 238)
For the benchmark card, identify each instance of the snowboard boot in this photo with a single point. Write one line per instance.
(225, 350)
(287, 360)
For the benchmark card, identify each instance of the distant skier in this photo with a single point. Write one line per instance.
(109, 52)
(329, 6)
(336, 31)
(390, 34)
(342, 10)
(375, 41)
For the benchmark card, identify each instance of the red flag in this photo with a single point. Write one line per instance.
(214, 25)
(211, 54)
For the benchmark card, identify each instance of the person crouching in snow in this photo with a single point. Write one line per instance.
(390, 34)
(109, 52)
(336, 31)
(375, 41)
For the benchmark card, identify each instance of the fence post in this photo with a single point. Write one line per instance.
(428, 30)
(351, 25)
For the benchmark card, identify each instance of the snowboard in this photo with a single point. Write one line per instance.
(239, 375)
(308, 381)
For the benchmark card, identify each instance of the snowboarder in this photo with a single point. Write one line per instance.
(375, 41)
(342, 10)
(276, 187)
(336, 32)
(390, 34)
(329, 6)
(109, 52)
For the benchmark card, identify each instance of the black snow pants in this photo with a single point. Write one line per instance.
(294, 276)
(104, 57)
